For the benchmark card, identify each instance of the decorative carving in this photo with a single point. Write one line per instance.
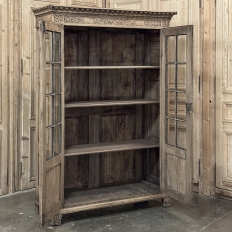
(151, 23)
(58, 18)
(165, 23)
(109, 17)
(56, 220)
(48, 8)
(113, 21)
(68, 19)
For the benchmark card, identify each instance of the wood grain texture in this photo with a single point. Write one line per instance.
(109, 147)
(76, 88)
(207, 184)
(4, 40)
(223, 99)
(81, 104)
(76, 201)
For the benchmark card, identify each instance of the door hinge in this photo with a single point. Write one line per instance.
(200, 3)
(7, 177)
(8, 65)
(215, 84)
(21, 67)
(199, 84)
(21, 169)
(199, 167)
(189, 107)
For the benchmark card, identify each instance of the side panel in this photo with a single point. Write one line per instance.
(176, 113)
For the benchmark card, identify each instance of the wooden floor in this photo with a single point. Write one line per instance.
(82, 200)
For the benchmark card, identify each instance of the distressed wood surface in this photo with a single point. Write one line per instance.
(76, 201)
(223, 100)
(207, 185)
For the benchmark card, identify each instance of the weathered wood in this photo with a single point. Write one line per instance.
(112, 67)
(174, 164)
(109, 147)
(51, 158)
(4, 101)
(81, 104)
(76, 89)
(94, 120)
(223, 58)
(207, 184)
(109, 196)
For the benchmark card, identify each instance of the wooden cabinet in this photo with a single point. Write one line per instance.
(114, 119)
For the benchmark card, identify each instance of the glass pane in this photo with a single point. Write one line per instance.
(48, 78)
(171, 49)
(171, 70)
(57, 112)
(171, 101)
(181, 134)
(49, 143)
(49, 104)
(171, 132)
(57, 47)
(48, 37)
(181, 105)
(57, 78)
(57, 140)
(181, 77)
(181, 54)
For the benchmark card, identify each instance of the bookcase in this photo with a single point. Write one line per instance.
(101, 115)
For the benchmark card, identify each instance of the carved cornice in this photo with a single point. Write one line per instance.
(104, 17)
(106, 11)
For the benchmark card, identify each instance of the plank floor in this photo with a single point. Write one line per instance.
(110, 103)
(110, 147)
(76, 201)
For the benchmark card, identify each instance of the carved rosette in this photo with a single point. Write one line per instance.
(165, 23)
(68, 19)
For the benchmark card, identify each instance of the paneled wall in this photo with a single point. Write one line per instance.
(3, 101)
(224, 98)
(18, 82)
(189, 12)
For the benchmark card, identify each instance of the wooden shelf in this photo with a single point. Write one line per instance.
(111, 67)
(110, 147)
(89, 199)
(82, 104)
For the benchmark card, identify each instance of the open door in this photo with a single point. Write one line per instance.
(50, 122)
(176, 113)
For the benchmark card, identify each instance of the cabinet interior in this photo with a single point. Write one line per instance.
(111, 112)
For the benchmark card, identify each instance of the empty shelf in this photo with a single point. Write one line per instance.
(112, 67)
(110, 147)
(110, 103)
(88, 199)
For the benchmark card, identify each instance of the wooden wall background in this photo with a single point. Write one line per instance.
(18, 83)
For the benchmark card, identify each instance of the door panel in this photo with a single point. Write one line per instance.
(51, 123)
(224, 99)
(176, 113)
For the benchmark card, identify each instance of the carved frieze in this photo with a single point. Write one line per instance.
(113, 21)
(107, 17)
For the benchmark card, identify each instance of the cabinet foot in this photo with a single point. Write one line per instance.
(56, 220)
(166, 202)
(36, 207)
